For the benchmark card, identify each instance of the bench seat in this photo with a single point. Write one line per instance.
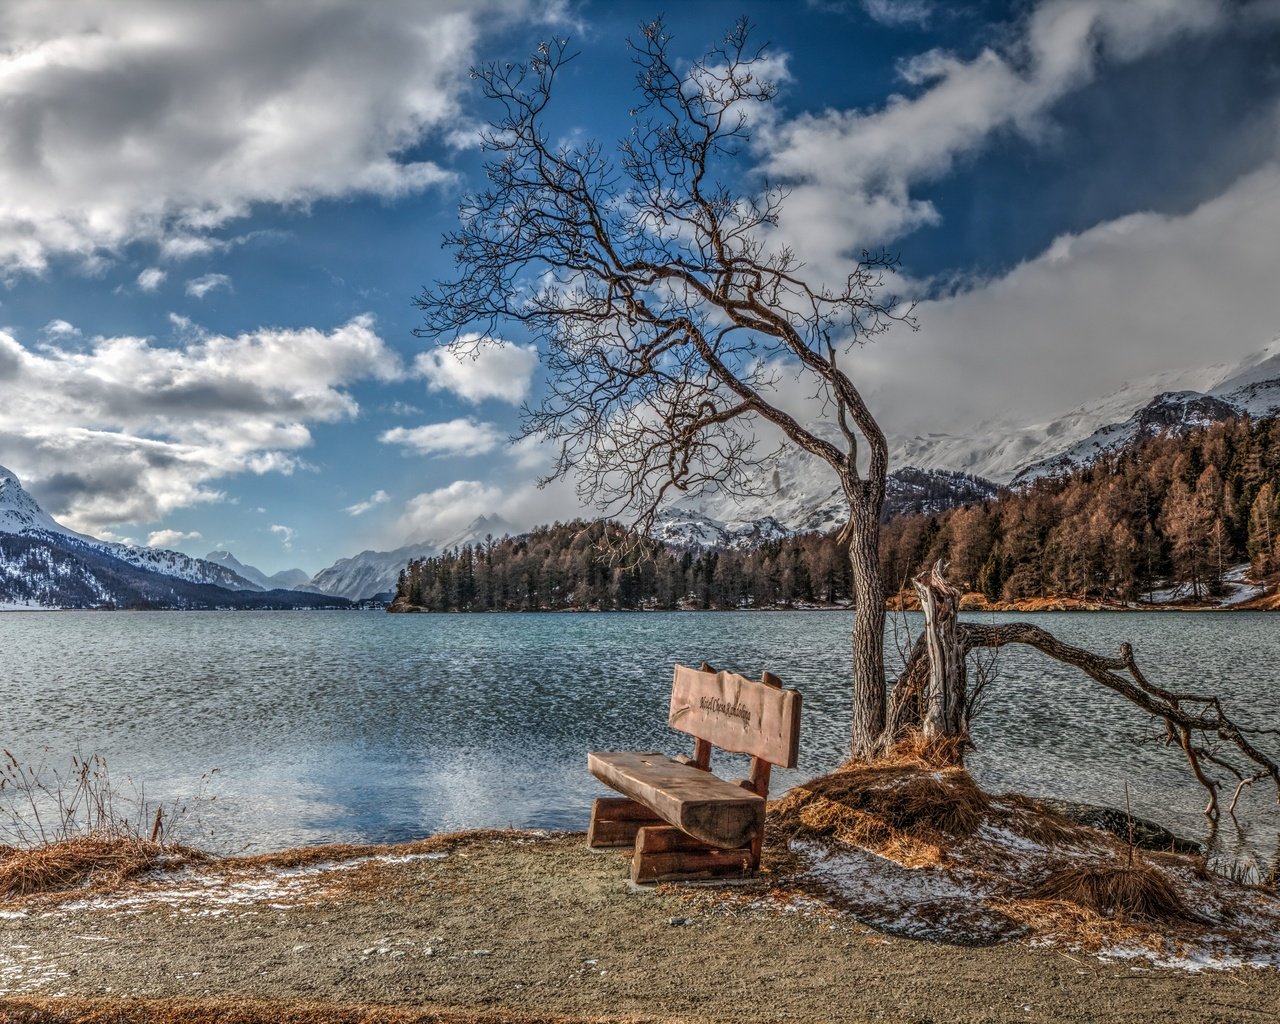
(706, 807)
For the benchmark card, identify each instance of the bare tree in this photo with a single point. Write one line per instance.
(665, 315)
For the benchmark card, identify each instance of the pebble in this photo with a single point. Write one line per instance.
(678, 922)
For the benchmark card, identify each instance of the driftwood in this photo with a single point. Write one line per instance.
(1197, 723)
(943, 710)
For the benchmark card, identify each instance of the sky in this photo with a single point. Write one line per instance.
(215, 215)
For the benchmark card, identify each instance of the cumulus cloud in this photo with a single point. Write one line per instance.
(852, 172)
(201, 286)
(285, 533)
(887, 12)
(123, 429)
(373, 501)
(168, 538)
(463, 436)
(151, 279)
(438, 514)
(1127, 298)
(155, 121)
(478, 368)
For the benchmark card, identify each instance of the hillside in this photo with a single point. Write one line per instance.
(1161, 518)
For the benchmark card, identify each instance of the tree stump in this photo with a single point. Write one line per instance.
(944, 712)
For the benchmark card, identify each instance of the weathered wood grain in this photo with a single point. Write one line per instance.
(707, 807)
(690, 866)
(668, 839)
(616, 820)
(738, 714)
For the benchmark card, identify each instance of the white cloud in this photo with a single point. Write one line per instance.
(463, 436)
(373, 501)
(478, 368)
(123, 429)
(156, 121)
(285, 533)
(440, 513)
(852, 172)
(203, 285)
(1124, 299)
(151, 279)
(436, 514)
(899, 12)
(58, 330)
(168, 538)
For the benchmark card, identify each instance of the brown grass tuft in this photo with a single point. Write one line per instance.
(85, 862)
(1033, 820)
(307, 856)
(918, 750)
(1113, 890)
(897, 811)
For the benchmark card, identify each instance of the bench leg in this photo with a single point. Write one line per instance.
(616, 820)
(665, 854)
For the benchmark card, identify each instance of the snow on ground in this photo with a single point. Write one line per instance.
(201, 892)
(1239, 589)
(978, 895)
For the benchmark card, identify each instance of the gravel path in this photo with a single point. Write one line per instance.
(512, 927)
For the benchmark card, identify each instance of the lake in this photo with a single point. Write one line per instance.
(327, 726)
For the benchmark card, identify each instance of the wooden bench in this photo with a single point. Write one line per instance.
(684, 822)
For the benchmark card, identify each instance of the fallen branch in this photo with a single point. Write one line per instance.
(1192, 721)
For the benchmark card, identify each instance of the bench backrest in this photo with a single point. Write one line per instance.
(738, 714)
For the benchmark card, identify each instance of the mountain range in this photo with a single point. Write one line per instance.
(43, 563)
(943, 470)
(1007, 452)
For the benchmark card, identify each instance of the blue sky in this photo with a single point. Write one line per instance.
(214, 217)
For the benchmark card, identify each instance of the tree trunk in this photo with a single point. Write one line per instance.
(945, 692)
(868, 626)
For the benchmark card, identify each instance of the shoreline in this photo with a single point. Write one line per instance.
(482, 927)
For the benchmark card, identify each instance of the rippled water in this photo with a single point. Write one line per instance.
(344, 726)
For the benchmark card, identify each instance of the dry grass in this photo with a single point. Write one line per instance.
(1137, 891)
(916, 750)
(1033, 820)
(336, 853)
(891, 808)
(261, 1011)
(92, 863)
(905, 601)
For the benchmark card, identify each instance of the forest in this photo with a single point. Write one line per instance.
(1171, 510)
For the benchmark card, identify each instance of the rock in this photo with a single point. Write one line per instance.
(1146, 835)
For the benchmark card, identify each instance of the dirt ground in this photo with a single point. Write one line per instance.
(507, 926)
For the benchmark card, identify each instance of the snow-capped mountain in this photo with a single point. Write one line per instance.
(805, 500)
(371, 573)
(21, 514)
(1251, 388)
(1001, 450)
(286, 579)
(1169, 413)
(45, 565)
